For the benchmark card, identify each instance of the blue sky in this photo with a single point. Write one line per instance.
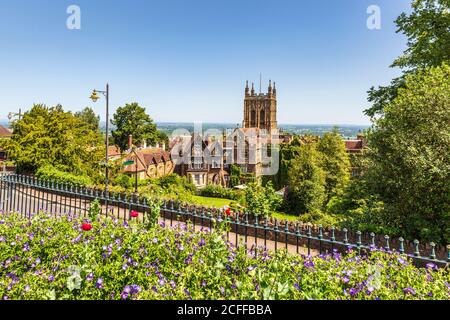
(187, 60)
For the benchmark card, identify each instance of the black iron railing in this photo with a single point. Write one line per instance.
(26, 195)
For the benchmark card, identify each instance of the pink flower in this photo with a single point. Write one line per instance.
(134, 214)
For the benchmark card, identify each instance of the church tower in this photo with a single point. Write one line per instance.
(260, 110)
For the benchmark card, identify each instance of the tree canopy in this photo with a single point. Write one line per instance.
(409, 155)
(427, 30)
(132, 119)
(88, 116)
(51, 136)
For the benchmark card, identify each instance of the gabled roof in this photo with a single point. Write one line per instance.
(354, 145)
(5, 132)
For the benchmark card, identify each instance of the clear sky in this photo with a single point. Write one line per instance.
(187, 60)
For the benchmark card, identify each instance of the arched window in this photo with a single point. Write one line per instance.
(262, 116)
(253, 118)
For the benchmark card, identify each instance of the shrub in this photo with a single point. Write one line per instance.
(123, 181)
(217, 191)
(261, 200)
(49, 172)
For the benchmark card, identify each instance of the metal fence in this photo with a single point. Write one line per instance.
(27, 194)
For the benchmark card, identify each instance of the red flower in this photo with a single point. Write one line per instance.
(134, 214)
(86, 226)
(228, 211)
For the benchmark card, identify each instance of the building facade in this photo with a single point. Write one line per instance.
(260, 110)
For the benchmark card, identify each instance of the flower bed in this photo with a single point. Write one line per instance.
(63, 257)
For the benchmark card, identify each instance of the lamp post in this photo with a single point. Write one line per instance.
(13, 114)
(94, 97)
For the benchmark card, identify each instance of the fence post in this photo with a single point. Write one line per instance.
(402, 247)
(416, 248)
(256, 235)
(320, 236)
(265, 232)
(297, 234)
(358, 241)
(387, 248)
(276, 234)
(345, 235)
(433, 251)
(332, 238)
(309, 240)
(286, 233)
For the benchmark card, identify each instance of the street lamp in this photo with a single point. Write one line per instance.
(13, 114)
(94, 97)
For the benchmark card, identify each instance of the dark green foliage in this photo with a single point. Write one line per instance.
(124, 181)
(217, 191)
(49, 172)
(427, 30)
(306, 180)
(335, 163)
(51, 136)
(409, 156)
(262, 201)
(88, 116)
(132, 119)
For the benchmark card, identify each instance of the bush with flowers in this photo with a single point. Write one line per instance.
(68, 257)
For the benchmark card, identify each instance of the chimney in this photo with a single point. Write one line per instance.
(130, 141)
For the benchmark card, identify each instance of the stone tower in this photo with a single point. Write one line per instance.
(260, 110)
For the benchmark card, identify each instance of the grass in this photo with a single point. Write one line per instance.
(211, 202)
(285, 216)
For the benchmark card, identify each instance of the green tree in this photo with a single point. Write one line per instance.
(88, 116)
(132, 119)
(306, 179)
(51, 136)
(335, 163)
(427, 30)
(261, 201)
(409, 155)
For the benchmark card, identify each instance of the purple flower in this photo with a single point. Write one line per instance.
(155, 240)
(99, 283)
(186, 291)
(124, 295)
(370, 290)
(203, 283)
(431, 266)
(346, 279)
(172, 284)
(161, 282)
(27, 288)
(127, 289)
(222, 290)
(51, 278)
(135, 289)
(202, 242)
(410, 291)
(90, 277)
(297, 286)
(353, 291)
